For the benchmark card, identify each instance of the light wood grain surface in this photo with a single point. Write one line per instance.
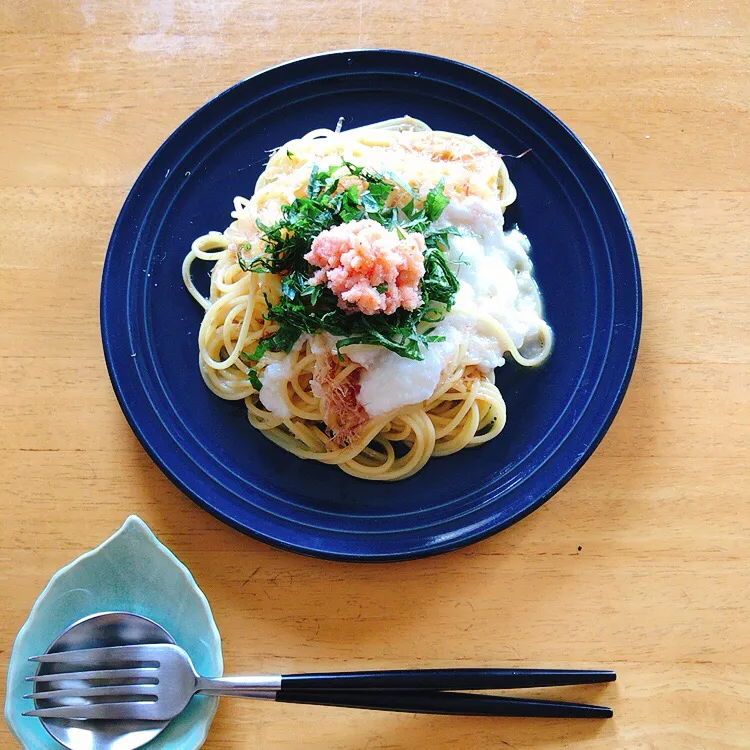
(639, 564)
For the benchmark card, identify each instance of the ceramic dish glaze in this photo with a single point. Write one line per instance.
(585, 264)
(132, 572)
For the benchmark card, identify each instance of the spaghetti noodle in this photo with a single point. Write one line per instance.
(377, 411)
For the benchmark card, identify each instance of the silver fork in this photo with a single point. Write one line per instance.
(155, 682)
(152, 682)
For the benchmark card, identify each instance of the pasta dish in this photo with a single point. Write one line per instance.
(362, 298)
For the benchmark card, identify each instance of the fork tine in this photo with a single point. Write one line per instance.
(111, 655)
(93, 692)
(97, 674)
(137, 710)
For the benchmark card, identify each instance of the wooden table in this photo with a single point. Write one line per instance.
(639, 564)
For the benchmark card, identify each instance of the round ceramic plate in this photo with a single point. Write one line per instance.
(585, 264)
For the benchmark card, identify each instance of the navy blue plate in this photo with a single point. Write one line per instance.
(585, 263)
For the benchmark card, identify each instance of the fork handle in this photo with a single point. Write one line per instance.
(445, 679)
(460, 704)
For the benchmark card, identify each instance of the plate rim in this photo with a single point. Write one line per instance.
(456, 541)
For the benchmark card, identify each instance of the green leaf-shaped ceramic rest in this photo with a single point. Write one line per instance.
(133, 572)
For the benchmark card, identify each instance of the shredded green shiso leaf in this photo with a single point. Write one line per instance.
(304, 308)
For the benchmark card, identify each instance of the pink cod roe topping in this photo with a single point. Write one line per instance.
(358, 257)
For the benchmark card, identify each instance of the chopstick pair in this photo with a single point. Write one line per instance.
(434, 691)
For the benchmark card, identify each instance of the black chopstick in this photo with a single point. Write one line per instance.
(445, 679)
(431, 702)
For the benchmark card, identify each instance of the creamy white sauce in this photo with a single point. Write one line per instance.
(391, 381)
(494, 269)
(275, 378)
(495, 274)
